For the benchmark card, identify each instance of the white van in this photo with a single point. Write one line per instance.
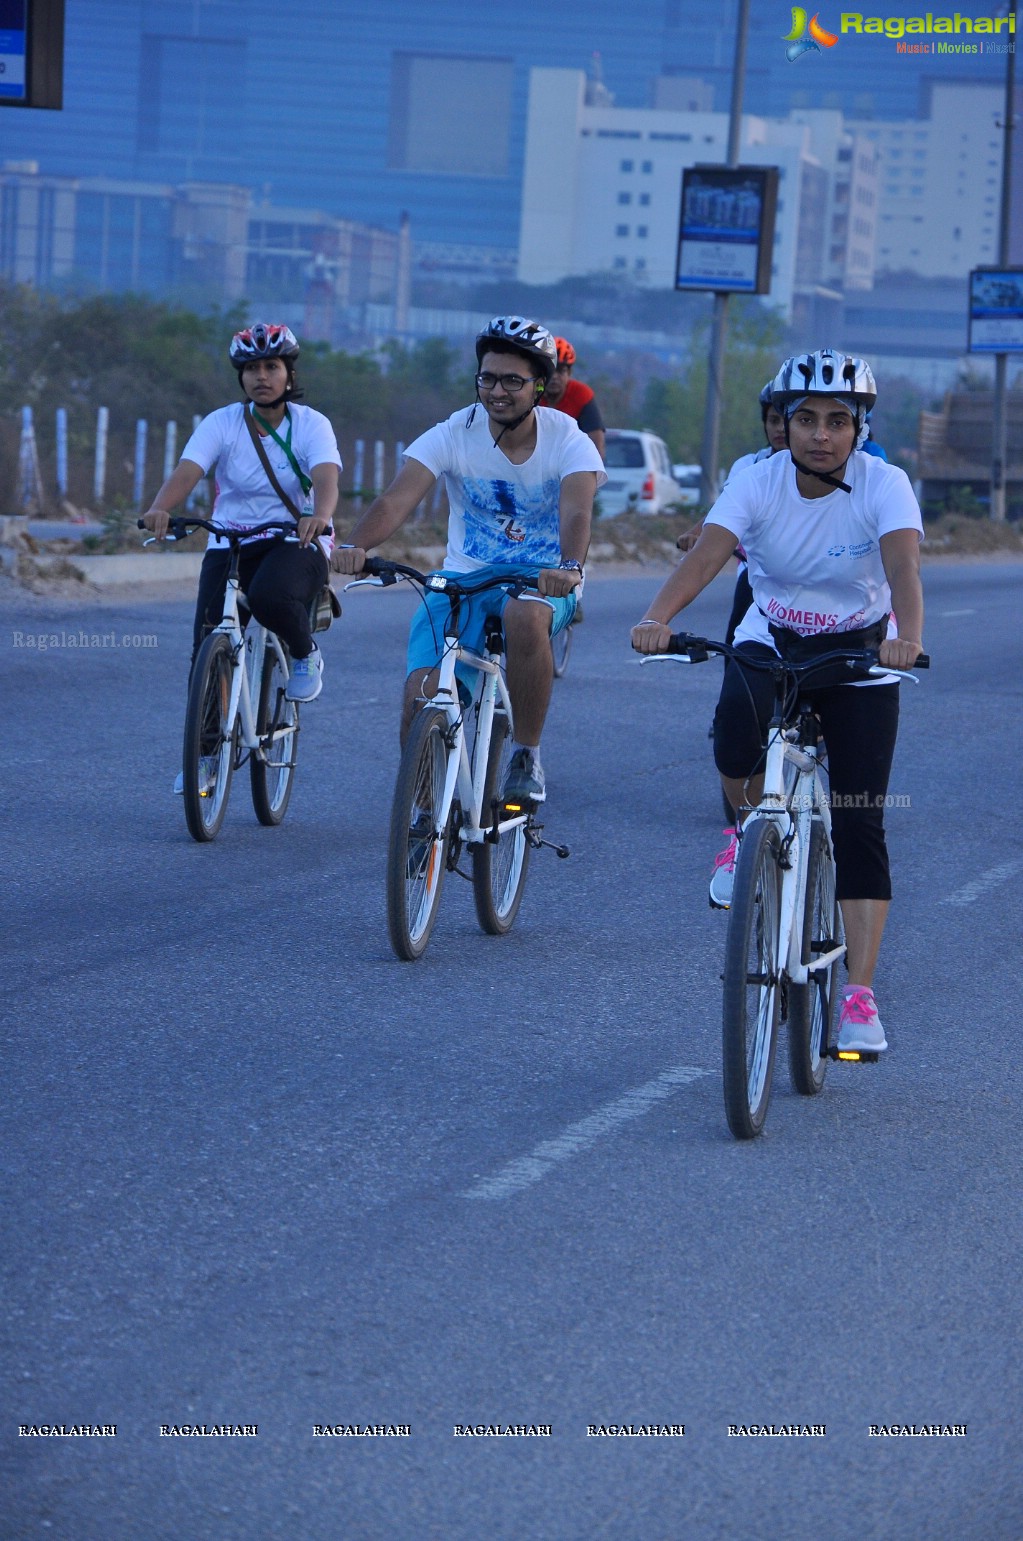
(688, 478)
(639, 475)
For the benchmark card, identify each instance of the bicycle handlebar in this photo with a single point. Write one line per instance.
(443, 583)
(698, 649)
(178, 528)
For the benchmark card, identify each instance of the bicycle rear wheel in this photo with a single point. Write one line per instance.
(561, 646)
(812, 1006)
(417, 852)
(272, 776)
(498, 871)
(752, 980)
(209, 749)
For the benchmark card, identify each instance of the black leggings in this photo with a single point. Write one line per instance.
(859, 724)
(279, 580)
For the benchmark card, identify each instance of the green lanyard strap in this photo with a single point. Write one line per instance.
(285, 445)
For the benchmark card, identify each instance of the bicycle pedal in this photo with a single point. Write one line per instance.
(854, 1056)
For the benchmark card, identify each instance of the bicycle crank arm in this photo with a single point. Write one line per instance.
(536, 840)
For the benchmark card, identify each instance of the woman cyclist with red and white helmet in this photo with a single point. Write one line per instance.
(280, 579)
(832, 539)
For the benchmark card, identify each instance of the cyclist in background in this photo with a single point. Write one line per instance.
(832, 537)
(280, 579)
(520, 486)
(573, 397)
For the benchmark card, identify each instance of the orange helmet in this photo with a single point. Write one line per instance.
(566, 352)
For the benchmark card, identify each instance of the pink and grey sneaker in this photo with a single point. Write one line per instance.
(859, 1026)
(723, 876)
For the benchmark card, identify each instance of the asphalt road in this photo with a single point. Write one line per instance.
(258, 1172)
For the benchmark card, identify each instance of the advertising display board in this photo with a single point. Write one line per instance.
(726, 229)
(996, 310)
(32, 53)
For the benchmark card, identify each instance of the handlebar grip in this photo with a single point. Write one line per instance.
(141, 523)
(923, 661)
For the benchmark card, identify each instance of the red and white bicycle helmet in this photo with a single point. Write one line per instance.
(263, 339)
(519, 335)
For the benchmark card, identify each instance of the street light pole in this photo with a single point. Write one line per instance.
(999, 432)
(712, 410)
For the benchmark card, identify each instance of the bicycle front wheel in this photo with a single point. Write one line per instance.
(561, 646)
(498, 870)
(208, 756)
(276, 718)
(418, 847)
(812, 1006)
(752, 980)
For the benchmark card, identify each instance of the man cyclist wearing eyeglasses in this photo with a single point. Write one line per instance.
(573, 397)
(520, 486)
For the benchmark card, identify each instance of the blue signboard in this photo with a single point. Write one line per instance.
(996, 310)
(726, 228)
(13, 49)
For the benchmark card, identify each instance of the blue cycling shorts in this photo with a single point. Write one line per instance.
(426, 635)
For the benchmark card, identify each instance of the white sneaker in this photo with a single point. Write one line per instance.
(859, 1026)
(207, 774)
(723, 876)
(306, 678)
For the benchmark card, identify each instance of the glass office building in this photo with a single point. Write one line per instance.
(365, 111)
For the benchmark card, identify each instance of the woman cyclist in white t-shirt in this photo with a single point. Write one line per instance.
(280, 579)
(832, 537)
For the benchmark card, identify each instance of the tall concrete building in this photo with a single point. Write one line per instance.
(602, 185)
(365, 111)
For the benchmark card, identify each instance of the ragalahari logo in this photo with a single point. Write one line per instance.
(797, 40)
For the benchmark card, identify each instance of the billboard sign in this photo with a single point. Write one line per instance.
(996, 310)
(13, 50)
(726, 229)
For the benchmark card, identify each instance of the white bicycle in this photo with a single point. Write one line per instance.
(447, 794)
(237, 709)
(785, 937)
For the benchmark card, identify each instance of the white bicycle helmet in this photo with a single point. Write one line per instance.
(827, 373)
(520, 335)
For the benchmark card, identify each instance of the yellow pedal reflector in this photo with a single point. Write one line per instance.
(513, 807)
(848, 1054)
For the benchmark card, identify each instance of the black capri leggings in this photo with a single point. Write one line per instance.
(859, 724)
(279, 580)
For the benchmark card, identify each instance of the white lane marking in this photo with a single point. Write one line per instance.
(525, 1170)
(943, 615)
(986, 881)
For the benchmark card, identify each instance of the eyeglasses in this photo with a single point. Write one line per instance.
(487, 382)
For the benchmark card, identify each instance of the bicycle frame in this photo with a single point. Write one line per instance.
(792, 798)
(466, 772)
(249, 648)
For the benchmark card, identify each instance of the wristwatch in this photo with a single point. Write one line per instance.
(571, 567)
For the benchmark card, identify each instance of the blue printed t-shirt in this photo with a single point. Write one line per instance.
(500, 512)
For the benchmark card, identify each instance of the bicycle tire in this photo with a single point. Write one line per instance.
(498, 871)
(752, 980)
(561, 646)
(812, 1006)
(272, 779)
(209, 751)
(416, 865)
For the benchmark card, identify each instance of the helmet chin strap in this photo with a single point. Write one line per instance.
(822, 476)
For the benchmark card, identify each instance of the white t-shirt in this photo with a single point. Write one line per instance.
(748, 460)
(502, 512)
(815, 563)
(243, 494)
